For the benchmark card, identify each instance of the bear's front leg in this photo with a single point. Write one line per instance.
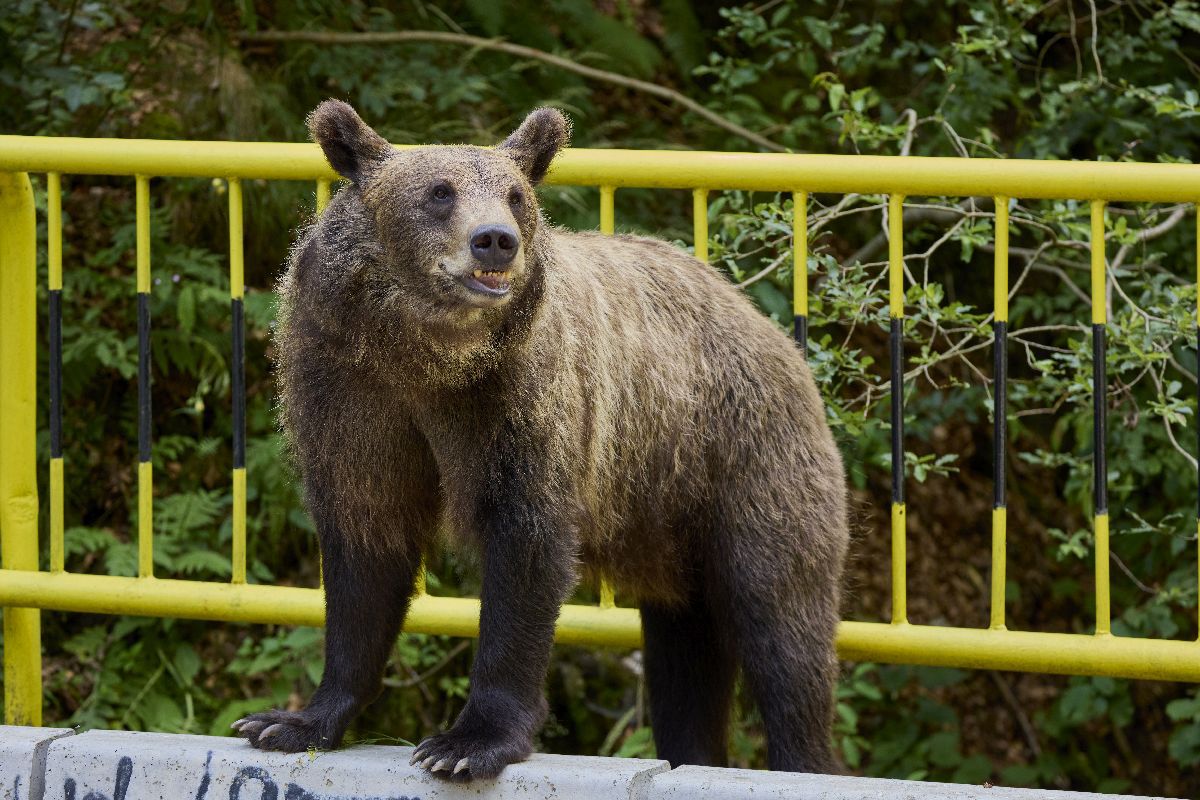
(367, 593)
(528, 571)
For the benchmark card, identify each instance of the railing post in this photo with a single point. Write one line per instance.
(145, 473)
(608, 225)
(237, 291)
(1099, 422)
(700, 223)
(18, 433)
(999, 416)
(800, 270)
(896, 342)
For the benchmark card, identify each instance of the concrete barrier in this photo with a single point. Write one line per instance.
(115, 765)
(711, 783)
(23, 760)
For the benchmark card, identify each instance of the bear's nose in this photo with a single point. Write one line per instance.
(494, 245)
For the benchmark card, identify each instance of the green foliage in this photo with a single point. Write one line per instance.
(1185, 741)
(969, 78)
(991, 80)
(923, 744)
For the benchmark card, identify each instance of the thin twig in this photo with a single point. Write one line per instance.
(424, 676)
(1061, 273)
(909, 130)
(764, 272)
(1018, 713)
(1128, 574)
(1074, 43)
(1095, 36)
(913, 215)
(1153, 232)
(1169, 428)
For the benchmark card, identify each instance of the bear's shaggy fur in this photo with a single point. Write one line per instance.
(568, 403)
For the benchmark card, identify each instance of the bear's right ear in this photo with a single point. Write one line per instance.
(354, 150)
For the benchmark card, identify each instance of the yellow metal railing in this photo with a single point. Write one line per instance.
(24, 589)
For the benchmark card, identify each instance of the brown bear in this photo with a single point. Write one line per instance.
(560, 403)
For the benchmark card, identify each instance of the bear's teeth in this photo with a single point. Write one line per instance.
(478, 273)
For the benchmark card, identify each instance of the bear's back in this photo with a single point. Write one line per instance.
(682, 380)
(662, 315)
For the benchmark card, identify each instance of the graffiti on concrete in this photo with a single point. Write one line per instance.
(270, 790)
(257, 782)
(120, 786)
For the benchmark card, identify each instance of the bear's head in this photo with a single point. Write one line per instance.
(455, 224)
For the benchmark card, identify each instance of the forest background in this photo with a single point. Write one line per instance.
(1059, 79)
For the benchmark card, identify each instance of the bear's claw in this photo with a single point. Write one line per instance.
(270, 730)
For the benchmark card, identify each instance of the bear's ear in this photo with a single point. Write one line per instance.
(533, 145)
(352, 148)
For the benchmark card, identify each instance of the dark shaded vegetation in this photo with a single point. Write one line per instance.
(971, 78)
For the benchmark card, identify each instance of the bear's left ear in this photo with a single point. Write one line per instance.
(533, 145)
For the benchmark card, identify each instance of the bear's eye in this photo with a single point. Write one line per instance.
(442, 192)
(516, 197)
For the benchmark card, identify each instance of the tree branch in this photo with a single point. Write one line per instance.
(441, 37)
(912, 216)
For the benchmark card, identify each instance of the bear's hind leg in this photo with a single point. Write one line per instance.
(785, 622)
(793, 686)
(689, 674)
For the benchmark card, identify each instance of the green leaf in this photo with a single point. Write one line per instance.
(836, 92)
(1184, 745)
(1185, 708)
(943, 749)
(1019, 775)
(489, 15)
(186, 662)
(186, 309)
(938, 677)
(639, 744)
(975, 769)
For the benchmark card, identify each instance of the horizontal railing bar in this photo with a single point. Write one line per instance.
(1021, 651)
(971, 648)
(279, 605)
(664, 169)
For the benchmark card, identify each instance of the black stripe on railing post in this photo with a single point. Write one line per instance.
(897, 352)
(144, 436)
(239, 385)
(1099, 409)
(56, 373)
(800, 332)
(1000, 413)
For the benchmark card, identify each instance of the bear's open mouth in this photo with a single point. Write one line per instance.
(491, 283)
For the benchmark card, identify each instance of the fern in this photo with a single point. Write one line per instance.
(203, 562)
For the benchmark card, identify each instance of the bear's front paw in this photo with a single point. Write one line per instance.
(465, 755)
(286, 731)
